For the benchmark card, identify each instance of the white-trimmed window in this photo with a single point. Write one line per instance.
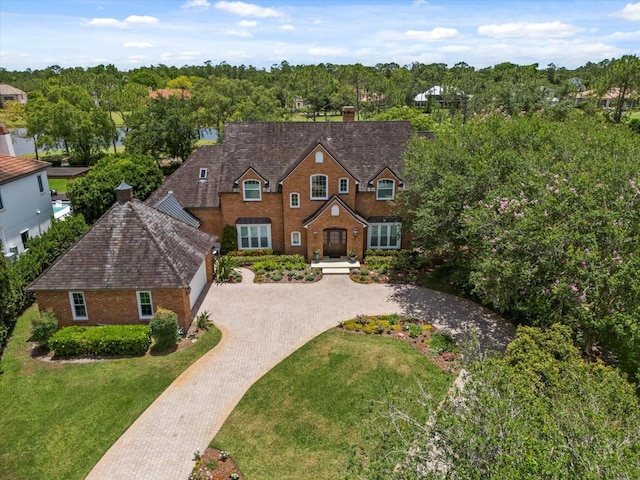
(24, 236)
(343, 185)
(294, 200)
(251, 191)
(385, 190)
(145, 305)
(319, 157)
(384, 235)
(203, 174)
(40, 184)
(252, 237)
(78, 306)
(319, 187)
(296, 239)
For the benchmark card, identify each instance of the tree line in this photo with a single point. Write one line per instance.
(76, 109)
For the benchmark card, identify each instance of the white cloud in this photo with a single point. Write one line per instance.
(105, 22)
(247, 9)
(624, 36)
(126, 23)
(630, 12)
(287, 27)
(204, 4)
(326, 51)
(247, 23)
(138, 45)
(436, 34)
(141, 19)
(529, 30)
(237, 33)
(455, 49)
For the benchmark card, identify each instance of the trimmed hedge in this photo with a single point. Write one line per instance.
(110, 340)
(248, 261)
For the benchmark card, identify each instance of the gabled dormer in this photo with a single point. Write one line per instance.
(251, 184)
(386, 183)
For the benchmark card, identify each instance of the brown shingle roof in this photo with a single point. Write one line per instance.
(132, 246)
(185, 183)
(273, 148)
(12, 168)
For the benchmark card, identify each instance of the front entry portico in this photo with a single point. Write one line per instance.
(334, 242)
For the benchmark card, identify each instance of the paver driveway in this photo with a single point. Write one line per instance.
(261, 325)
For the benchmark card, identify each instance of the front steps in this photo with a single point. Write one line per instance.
(335, 266)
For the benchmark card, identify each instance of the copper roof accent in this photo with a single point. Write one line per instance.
(185, 183)
(131, 247)
(169, 92)
(12, 168)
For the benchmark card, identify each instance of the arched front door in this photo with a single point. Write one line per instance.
(334, 242)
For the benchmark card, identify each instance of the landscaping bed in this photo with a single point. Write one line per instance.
(215, 464)
(271, 268)
(438, 345)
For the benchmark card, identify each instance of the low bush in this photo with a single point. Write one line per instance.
(276, 277)
(111, 340)
(224, 268)
(250, 260)
(376, 262)
(43, 328)
(251, 253)
(165, 331)
(441, 342)
(203, 321)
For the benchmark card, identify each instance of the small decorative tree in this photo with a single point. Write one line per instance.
(165, 331)
(229, 239)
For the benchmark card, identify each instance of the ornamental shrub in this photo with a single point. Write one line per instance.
(165, 331)
(110, 340)
(229, 240)
(42, 329)
(224, 268)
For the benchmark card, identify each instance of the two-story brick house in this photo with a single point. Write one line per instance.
(296, 187)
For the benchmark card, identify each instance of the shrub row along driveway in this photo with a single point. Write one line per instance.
(261, 325)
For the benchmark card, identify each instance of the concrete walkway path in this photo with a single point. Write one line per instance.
(261, 325)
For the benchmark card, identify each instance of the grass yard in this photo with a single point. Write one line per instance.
(306, 417)
(59, 419)
(58, 184)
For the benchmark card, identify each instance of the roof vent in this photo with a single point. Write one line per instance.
(124, 192)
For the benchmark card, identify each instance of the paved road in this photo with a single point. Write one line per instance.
(261, 325)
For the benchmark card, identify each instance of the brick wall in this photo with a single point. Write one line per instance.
(285, 220)
(112, 307)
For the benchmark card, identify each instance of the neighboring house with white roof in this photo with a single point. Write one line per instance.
(25, 202)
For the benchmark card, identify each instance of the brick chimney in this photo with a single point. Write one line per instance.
(348, 114)
(6, 145)
(124, 192)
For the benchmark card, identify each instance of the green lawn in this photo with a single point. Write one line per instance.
(59, 419)
(58, 184)
(305, 418)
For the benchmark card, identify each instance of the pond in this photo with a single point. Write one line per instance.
(24, 146)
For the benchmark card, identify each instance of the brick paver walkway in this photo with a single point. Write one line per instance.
(261, 325)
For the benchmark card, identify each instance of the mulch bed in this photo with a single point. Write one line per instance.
(209, 466)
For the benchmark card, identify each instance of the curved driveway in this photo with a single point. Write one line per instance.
(261, 325)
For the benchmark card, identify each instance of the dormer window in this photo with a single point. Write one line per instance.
(319, 187)
(203, 174)
(385, 189)
(251, 191)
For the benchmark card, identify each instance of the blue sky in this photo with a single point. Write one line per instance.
(131, 33)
